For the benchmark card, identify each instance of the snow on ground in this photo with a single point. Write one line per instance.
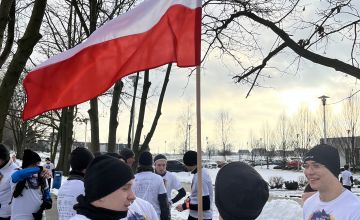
(283, 204)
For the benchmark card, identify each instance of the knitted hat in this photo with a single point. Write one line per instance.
(80, 158)
(159, 157)
(127, 153)
(104, 175)
(240, 192)
(29, 158)
(325, 155)
(190, 158)
(145, 159)
(4, 153)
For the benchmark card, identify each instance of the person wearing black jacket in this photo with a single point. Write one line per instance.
(150, 186)
(190, 160)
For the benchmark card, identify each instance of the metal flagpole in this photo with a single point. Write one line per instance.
(199, 151)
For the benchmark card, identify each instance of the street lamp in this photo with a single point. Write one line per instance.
(189, 135)
(165, 147)
(323, 99)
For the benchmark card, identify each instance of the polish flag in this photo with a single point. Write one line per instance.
(155, 33)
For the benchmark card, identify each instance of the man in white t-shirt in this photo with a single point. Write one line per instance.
(80, 158)
(150, 186)
(346, 178)
(7, 168)
(170, 180)
(332, 201)
(190, 160)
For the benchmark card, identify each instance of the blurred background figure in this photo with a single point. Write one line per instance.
(50, 166)
(308, 191)
(346, 178)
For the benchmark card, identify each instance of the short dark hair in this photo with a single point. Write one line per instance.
(346, 167)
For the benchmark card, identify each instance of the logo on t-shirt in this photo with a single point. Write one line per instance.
(321, 215)
(136, 216)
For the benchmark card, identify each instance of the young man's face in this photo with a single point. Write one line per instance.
(318, 175)
(130, 161)
(160, 166)
(119, 200)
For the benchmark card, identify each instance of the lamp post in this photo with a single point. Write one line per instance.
(323, 99)
(348, 148)
(165, 147)
(189, 135)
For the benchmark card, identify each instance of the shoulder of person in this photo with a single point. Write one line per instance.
(79, 217)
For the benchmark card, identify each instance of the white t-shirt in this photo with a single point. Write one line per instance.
(171, 182)
(207, 190)
(67, 195)
(5, 188)
(345, 175)
(141, 210)
(148, 186)
(49, 166)
(345, 207)
(23, 206)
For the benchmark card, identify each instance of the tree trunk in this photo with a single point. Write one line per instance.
(66, 128)
(94, 124)
(17, 64)
(132, 111)
(114, 109)
(158, 110)
(94, 109)
(55, 147)
(140, 123)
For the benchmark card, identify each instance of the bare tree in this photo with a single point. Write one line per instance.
(224, 126)
(283, 137)
(23, 51)
(183, 121)
(235, 28)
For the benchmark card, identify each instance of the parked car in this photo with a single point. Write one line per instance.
(210, 164)
(175, 166)
(221, 163)
(294, 165)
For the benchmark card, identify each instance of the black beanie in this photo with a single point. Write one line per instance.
(145, 159)
(190, 158)
(127, 153)
(4, 153)
(80, 158)
(240, 192)
(30, 157)
(104, 175)
(159, 157)
(325, 155)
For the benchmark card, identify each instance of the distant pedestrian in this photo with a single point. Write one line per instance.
(190, 160)
(332, 201)
(346, 178)
(50, 166)
(150, 186)
(240, 192)
(308, 191)
(108, 190)
(15, 161)
(170, 180)
(128, 155)
(31, 195)
(80, 158)
(7, 168)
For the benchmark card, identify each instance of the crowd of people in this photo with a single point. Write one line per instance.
(105, 187)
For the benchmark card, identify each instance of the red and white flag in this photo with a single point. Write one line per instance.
(155, 33)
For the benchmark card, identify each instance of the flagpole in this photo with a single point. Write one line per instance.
(199, 151)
